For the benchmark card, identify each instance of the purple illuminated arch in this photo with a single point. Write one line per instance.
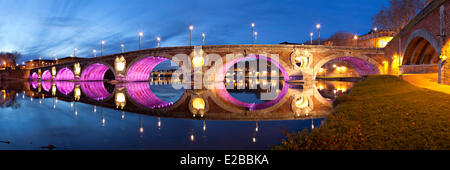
(46, 75)
(142, 94)
(34, 84)
(65, 87)
(46, 85)
(34, 76)
(94, 72)
(95, 90)
(141, 70)
(361, 66)
(65, 74)
(222, 91)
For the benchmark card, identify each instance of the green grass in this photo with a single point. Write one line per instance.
(380, 113)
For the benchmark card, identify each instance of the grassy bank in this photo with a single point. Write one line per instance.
(381, 113)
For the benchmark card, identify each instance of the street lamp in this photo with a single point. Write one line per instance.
(356, 40)
(103, 42)
(140, 37)
(123, 47)
(318, 28)
(311, 35)
(74, 52)
(253, 32)
(256, 37)
(191, 27)
(374, 37)
(159, 41)
(95, 52)
(204, 37)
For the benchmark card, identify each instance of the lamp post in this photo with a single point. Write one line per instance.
(356, 40)
(311, 35)
(103, 42)
(318, 28)
(74, 52)
(95, 52)
(191, 27)
(123, 47)
(374, 37)
(159, 41)
(256, 37)
(204, 37)
(253, 32)
(140, 37)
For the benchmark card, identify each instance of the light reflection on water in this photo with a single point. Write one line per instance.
(33, 115)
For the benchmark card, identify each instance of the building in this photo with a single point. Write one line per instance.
(42, 62)
(375, 39)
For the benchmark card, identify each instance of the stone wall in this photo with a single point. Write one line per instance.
(446, 73)
(425, 68)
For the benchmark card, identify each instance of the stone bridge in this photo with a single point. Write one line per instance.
(422, 46)
(294, 61)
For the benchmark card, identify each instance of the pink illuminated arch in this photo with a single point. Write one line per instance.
(34, 76)
(142, 94)
(94, 72)
(95, 90)
(46, 75)
(65, 87)
(223, 93)
(46, 85)
(141, 70)
(65, 74)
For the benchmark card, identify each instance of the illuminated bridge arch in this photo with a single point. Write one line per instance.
(422, 47)
(34, 76)
(141, 93)
(46, 85)
(46, 75)
(97, 72)
(141, 68)
(362, 64)
(222, 91)
(65, 74)
(65, 87)
(95, 90)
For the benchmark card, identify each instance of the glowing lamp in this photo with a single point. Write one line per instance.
(77, 69)
(198, 61)
(77, 92)
(119, 64)
(198, 103)
(53, 71)
(120, 100)
(443, 57)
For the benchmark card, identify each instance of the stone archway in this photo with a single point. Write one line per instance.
(365, 64)
(422, 47)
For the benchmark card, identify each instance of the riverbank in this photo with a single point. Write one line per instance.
(381, 113)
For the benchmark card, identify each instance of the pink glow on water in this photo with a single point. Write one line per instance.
(46, 85)
(46, 75)
(34, 76)
(361, 66)
(94, 72)
(142, 94)
(222, 91)
(65, 87)
(141, 70)
(34, 84)
(95, 90)
(65, 74)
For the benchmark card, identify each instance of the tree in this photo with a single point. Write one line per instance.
(399, 14)
(341, 38)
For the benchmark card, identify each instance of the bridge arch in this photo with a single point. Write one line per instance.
(364, 65)
(46, 75)
(97, 72)
(422, 47)
(65, 74)
(34, 76)
(141, 68)
(96, 90)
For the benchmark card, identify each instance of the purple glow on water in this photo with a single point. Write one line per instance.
(65, 87)
(94, 72)
(140, 71)
(34, 84)
(46, 75)
(34, 76)
(46, 85)
(142, 94)
(222, 91)
(65, 74)
(95, 90)
(361, 66)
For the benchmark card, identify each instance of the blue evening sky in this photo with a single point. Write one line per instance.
(47, 28)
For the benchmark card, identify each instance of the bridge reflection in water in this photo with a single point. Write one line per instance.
(227, 112)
